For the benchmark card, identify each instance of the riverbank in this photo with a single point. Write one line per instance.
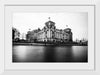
(49, 44)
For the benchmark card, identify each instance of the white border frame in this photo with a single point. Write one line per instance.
(10, 9)
(97, 23)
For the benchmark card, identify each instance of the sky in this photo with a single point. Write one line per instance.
(78, 22)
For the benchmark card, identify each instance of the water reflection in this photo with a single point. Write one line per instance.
(64, 54)
(28, 53)
(79, 55)
(50, 53)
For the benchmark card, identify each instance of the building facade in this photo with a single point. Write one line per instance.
(50, 34)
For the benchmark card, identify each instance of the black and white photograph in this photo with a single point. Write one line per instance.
(50, 37)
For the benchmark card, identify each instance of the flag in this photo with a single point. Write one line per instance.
(66, 25)
(49, 18)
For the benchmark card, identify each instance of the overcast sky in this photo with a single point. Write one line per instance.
(78, 22)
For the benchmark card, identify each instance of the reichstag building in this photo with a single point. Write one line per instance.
(49, 33)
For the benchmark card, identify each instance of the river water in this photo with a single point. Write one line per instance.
(50, 54)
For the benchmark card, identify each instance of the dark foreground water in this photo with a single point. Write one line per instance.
(50, 54)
